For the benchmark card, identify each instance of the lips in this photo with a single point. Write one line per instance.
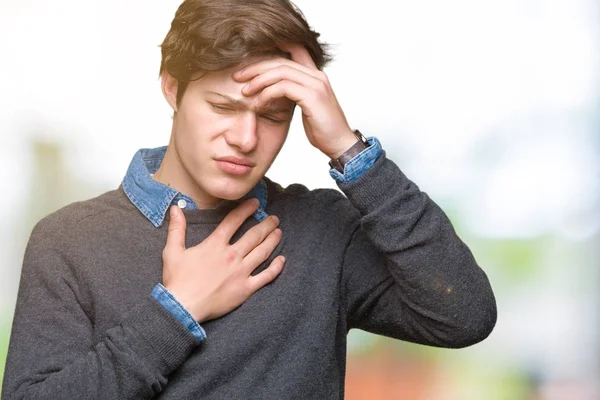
(237, 160)
(235, 165)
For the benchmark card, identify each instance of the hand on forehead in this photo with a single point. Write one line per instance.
(300, 59)
(299, 54)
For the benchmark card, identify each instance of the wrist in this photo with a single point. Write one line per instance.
(359, 144)
(167, 300)
(197, 312)
(343, 145)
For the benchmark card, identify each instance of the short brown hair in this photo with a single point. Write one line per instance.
(210, 35)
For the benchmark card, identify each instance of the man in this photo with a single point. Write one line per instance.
(198, 277)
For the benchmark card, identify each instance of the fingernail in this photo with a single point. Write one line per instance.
(173, 212)
(238, 72)
(255, 201)
(245, 88)
(275, 219)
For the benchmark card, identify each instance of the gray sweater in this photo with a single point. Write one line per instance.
(384, 259)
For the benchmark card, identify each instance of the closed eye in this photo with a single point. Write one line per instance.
(273, 120)
(220, 107)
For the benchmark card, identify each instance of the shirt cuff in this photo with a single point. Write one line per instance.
(166, 299)
(359, 164)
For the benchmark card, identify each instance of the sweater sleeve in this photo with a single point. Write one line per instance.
(51, 354)
(406, 273)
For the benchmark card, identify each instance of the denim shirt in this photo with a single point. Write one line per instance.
(154, 198)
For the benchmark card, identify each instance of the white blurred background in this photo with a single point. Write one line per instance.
(492, 107)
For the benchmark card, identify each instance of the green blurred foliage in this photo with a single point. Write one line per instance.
(518, 259)
(4, 336)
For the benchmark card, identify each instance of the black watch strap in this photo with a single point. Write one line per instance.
(340, 162)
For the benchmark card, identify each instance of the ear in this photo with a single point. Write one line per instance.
(169, 88)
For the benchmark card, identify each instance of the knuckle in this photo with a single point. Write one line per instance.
(235, 217)
(230, 255)
(254, 236)
(323, 87)
(272, 234)
(319, 95)
(217, 234)
(256, 283)
(265, 227)
(236, 213)
(271, 274)
(275, 237)
(264, 254)
(272, 222)
(267, 93)
(268, 225)
(269, 237)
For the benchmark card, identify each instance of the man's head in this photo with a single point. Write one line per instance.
(207, 42)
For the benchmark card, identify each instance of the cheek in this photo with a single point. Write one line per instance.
(192, 118)
(273, 142)
(199, 125)
(189, 137)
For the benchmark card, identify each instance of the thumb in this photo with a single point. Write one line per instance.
(176, 233)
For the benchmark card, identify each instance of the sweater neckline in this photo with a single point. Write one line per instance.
(208, 216)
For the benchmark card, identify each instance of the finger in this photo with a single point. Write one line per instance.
(232, 222)
(176, 232)
(257, 68)
(255, 236)
(293, 91)
(299, 54)
(268, 275)
(277, 74)
(261, 253)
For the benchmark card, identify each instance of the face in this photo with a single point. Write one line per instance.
(222, 144)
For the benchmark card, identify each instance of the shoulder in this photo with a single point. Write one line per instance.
(72, 219)
(58, 242)
(322, 203)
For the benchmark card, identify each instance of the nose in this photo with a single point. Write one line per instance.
(243, 133)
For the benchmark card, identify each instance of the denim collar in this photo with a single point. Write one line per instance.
(153, 198)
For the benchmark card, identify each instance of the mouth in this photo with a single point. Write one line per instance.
(235, 165)
(237, 160)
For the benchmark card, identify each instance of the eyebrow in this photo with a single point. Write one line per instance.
(241, 103)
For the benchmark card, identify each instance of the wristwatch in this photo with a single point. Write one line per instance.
(360, 145)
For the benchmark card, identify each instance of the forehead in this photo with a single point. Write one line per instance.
(222, 82)
(226, 74)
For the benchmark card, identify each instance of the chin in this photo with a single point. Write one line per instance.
(232, 190)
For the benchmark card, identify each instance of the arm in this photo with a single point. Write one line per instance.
(406, 273)
(51, 354)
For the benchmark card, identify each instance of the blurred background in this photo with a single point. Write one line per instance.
(492, 107)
